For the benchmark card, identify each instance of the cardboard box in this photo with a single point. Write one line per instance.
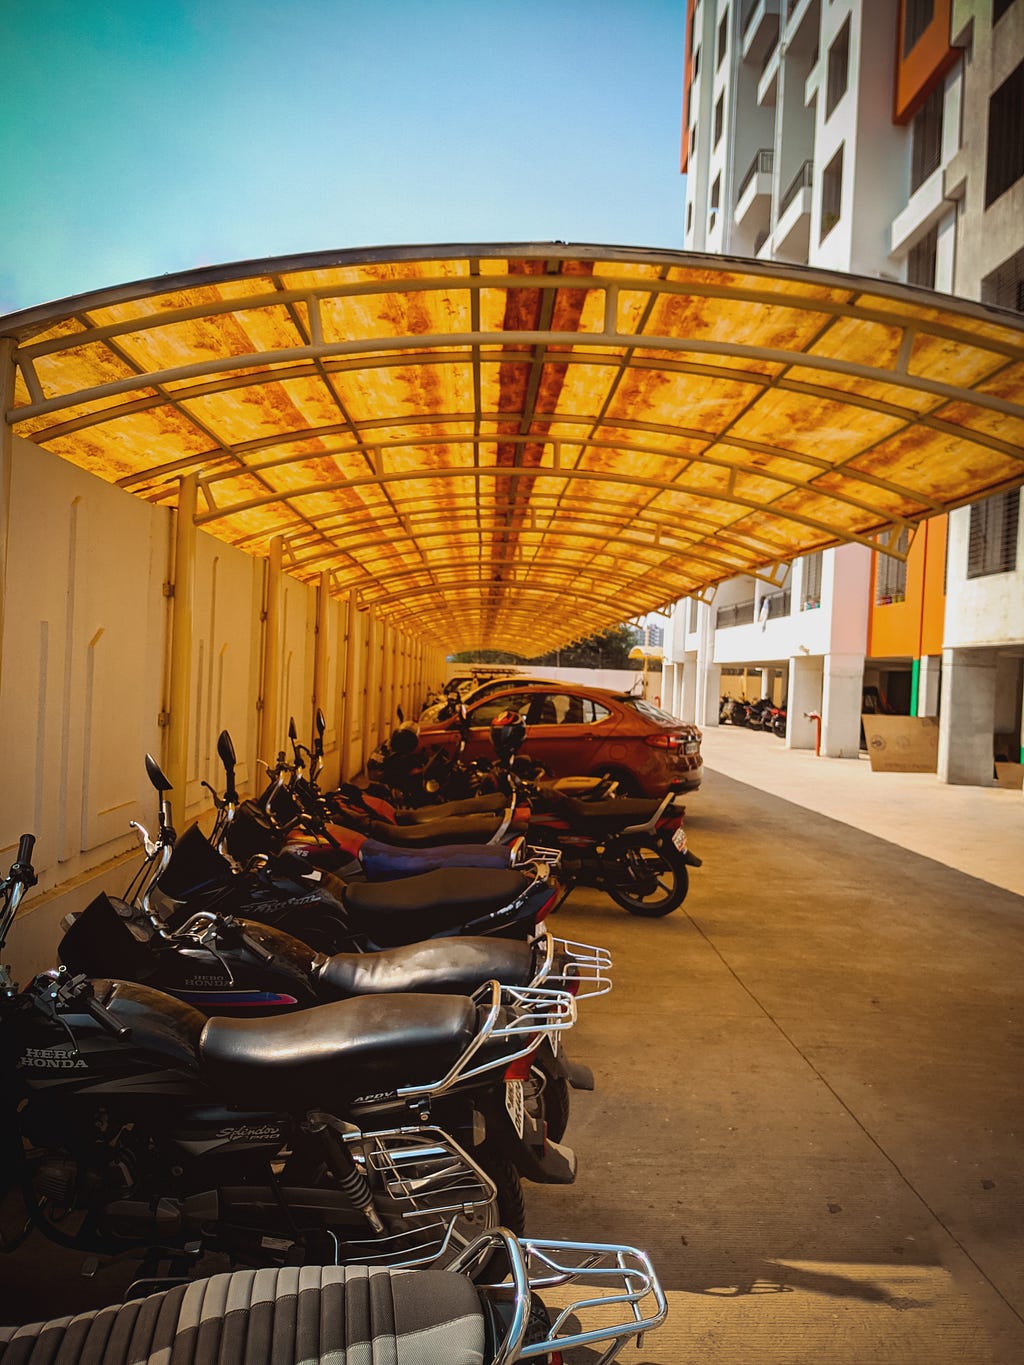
(902, 744)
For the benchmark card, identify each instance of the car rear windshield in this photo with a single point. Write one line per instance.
(654, 713)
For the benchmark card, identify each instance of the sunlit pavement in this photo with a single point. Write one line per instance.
(808, 1107)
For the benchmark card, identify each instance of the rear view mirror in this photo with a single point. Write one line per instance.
(321, 722)
(156, 776)
(226, 749)
(293, 733)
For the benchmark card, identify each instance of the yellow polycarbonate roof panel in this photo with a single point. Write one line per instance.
(514, 446)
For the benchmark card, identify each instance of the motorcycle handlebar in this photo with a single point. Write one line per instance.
(26, 844)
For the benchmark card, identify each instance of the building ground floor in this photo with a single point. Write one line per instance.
(976, 694)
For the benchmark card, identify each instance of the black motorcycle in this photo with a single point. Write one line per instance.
(374, 1130)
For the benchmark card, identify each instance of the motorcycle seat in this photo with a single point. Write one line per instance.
(308, 1314)
(615, 813)
(445, 966)
(369, 1044)
(462, 829)
(443, 899)
(381, 861)
(494, 804)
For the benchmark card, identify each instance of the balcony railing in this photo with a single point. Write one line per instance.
(801, 181)
(739, 614)
(762, 164)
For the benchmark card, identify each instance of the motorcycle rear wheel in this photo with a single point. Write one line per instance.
(647, 876)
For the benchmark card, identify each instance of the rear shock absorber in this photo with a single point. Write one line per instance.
(351, 1181)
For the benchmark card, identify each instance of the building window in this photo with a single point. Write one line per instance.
(1005, 285)
(723, 38)
(689, 216)
(921, 260)
(719, 119)
(696, 64)
(693, 139)
(992, 544)
(1005, 160)
(917, 15)
(926, 139)
(716, 192)
(838, 68)
(999, 8)
(811, 597)
(891, 574)
(831, 194)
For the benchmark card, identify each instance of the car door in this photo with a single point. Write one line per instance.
(566, 731)
(479, 717)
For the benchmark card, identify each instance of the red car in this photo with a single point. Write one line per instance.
(583, 731)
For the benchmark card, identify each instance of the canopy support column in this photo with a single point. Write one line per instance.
(270, 737)
(323, 601)
(182, 632)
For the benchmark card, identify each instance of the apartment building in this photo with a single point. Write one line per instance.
(884, 138)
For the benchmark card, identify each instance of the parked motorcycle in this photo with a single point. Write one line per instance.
(635, 849)
(135, 1124)
(225, 965)
(336, 1313)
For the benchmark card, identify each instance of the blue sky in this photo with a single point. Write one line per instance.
(142, 137)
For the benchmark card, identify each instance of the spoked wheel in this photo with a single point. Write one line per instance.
(646, 876)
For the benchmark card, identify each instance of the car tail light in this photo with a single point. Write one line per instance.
(666, 741)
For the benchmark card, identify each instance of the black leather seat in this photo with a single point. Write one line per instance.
(382, 861)
(494, 804)
(614, 814)
(349, 1048)
(446, 966)
(344, 1315)
(463, 829)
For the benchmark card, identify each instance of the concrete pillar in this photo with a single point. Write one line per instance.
(929, 673)
(968, 709)
(805, 688)
(182, 632)
(766, 682)
(842, 695)
(687, 702)
(348, 670)
(668, 688)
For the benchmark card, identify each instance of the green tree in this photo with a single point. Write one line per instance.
(610, 649)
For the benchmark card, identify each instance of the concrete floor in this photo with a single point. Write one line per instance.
(808, 1107)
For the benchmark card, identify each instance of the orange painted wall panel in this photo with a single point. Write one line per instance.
(928, 60)
(913, 627)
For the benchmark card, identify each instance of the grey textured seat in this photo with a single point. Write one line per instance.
(344, 1315)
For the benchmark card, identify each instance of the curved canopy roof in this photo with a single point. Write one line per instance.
(515, 446)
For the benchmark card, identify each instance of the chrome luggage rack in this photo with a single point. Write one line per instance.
(580, 968)
(420, 1177)
(518, 1019)
(621, 1299)
(537, 853)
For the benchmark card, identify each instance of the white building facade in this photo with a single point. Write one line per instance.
(883, 138)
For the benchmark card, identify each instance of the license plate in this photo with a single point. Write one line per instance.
(679, 839)
(692, 746)
(515, 1103)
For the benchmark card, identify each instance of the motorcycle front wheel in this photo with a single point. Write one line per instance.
(646, 876)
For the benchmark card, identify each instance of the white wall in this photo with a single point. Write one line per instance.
(981, 611)
(84, 690)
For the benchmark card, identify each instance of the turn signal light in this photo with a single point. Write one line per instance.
(519, 1070)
